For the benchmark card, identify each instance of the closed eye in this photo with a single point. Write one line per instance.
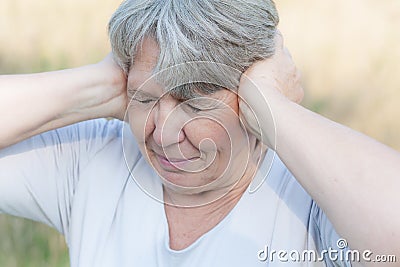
(202, 104)
(143, 101)
(194, 109)
(140, 96)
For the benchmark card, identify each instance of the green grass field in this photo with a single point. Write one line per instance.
(347, 51)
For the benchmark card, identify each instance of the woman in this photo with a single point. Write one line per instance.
(188, 182)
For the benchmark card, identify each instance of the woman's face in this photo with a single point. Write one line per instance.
(195, 145)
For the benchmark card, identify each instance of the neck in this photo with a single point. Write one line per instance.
(187, 223)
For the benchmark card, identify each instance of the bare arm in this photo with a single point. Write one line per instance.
(34, 103)
(352, 177)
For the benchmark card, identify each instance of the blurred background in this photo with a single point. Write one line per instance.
(348, 52)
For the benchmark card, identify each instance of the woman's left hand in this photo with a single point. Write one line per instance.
(262, 85)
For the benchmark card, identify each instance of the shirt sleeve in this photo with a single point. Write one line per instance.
(332, 247)
(38, 176)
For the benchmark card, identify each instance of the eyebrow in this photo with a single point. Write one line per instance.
(196, 97)
(136, 91)
(200, 100)
(131, 90)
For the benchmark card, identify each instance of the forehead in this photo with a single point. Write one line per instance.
(144, 63)
(142, 70)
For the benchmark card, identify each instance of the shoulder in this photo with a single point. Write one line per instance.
(78, 141)
(290, 191)
(98, 128)
(102, 136)
(89, 135)
(283, 183)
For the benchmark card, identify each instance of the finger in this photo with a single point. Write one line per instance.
(247, 117)
(299, 95)
(278, 40)
(298, 91)
(287, 53)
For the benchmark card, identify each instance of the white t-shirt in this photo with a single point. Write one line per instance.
(77, 180)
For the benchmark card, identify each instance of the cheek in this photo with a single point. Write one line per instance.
(209, 135)
(140, 123)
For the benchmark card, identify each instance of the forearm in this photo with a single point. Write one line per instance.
(353, 178)
(34, 103)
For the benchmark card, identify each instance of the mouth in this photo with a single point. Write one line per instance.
(173, 163)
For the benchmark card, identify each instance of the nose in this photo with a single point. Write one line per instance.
(167, 121)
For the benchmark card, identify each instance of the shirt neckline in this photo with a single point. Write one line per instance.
(264, 168)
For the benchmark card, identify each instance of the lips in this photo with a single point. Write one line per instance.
(172, 162)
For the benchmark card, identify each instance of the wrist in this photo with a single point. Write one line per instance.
(275, 108)
(97, 91)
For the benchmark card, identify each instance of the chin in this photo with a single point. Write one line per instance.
(180, 180)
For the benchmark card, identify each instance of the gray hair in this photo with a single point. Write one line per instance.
(224, 36)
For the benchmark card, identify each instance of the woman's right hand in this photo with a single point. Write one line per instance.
(111, 99)
(34, 103)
